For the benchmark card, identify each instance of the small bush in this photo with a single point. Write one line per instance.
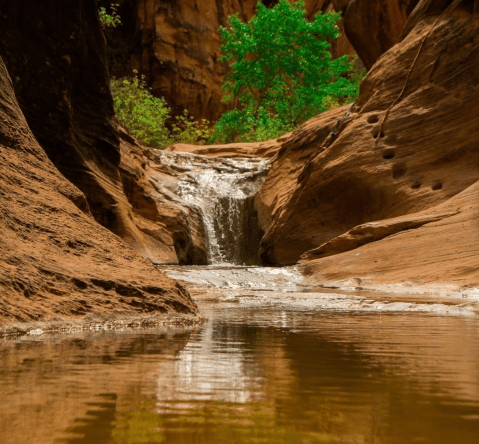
(145, 116)
(248, 126)
(110, 20)
(187, 130)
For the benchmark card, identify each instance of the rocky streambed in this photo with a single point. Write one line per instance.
(285, 288)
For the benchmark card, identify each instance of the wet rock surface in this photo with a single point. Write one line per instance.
(286, 288)
(221, 191)
(194, 206)
(172, 232)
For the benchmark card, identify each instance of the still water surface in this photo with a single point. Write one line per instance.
(249, 376)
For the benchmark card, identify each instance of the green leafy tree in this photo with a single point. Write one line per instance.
(146, 116)
(281, 71)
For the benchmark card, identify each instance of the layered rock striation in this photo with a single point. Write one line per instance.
(388, 192)
(57, 262)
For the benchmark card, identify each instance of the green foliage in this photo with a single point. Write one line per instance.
(249, 125)
(145, 116)
(110, 20)
(281, 71)
(138, 110)
(187, 130)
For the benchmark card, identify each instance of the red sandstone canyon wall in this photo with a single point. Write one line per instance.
(176, 45)
(56, 261)
(61, 188)
(390, 202)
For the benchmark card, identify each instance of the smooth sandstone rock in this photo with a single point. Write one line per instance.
(56, 262)
(439, 253)
(400, 207)
(174, 230)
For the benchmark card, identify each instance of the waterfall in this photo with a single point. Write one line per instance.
(223, 191)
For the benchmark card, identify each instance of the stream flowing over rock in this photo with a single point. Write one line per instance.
(222, 192)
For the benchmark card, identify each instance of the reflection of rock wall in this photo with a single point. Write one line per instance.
(176, 45)
(114, 374)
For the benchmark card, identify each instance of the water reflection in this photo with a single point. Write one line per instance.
(212, 367)
(250, 377)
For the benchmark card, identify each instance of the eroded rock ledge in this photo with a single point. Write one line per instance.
(390, 203)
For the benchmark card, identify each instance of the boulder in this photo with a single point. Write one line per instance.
(403, 191)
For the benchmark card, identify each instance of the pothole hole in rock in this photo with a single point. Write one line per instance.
(399, 171)
(416, 185)
(222, 190)
(373, 119)
(389, 154)
(437, 186)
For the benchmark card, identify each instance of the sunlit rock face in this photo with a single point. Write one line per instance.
(420, 168)
(56, 261)
(176, 45)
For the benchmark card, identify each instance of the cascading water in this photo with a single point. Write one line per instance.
(223, 191)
